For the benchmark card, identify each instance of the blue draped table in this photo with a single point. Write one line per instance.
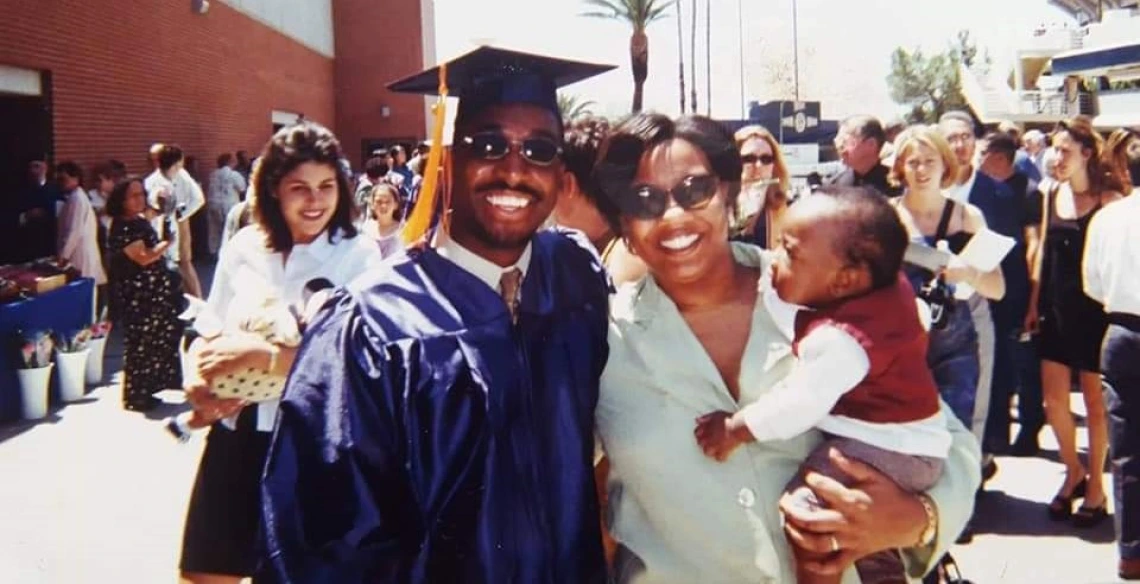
(68, 308)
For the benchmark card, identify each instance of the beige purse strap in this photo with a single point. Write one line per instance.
(1047, 203)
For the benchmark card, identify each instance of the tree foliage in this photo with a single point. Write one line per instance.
(638, 14)
(571, 107)
(931, 85)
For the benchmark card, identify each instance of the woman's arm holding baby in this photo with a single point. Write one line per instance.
(875, 514)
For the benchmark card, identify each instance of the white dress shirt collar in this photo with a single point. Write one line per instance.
(482, 268)
(320, 248)
(961, 193)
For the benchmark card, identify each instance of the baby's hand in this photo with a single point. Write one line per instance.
(716, 438)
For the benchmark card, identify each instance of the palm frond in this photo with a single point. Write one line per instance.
(657, 10)
(638, 13)
(571, 107)
(608, 9)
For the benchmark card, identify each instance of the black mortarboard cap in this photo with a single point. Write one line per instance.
(491, 76)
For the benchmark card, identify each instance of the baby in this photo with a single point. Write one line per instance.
(861, 375)
(272, 320)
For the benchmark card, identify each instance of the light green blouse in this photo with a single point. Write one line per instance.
(683, 517)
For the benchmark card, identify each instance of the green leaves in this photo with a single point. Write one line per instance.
(570, 106)
(930, 85)
(638, 13)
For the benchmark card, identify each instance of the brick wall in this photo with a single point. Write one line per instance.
(376, 43)
(126, 73)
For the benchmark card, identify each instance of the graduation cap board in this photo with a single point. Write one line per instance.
(492, 76)
(485, 77)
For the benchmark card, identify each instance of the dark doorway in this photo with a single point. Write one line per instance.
(27, 136)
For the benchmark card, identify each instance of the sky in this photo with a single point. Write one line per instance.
(844, 46)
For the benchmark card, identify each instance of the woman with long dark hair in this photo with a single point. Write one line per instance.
(1070, 325)
(302, 231)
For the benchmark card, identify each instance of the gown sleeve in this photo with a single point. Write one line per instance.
(333, 501)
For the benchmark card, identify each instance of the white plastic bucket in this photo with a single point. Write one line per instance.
(34, 391)
(72, 374)
(94, 372)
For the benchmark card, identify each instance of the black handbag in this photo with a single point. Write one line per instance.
(947, 572)
(937, 296)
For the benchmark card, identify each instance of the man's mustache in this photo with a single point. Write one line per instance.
(502, 186)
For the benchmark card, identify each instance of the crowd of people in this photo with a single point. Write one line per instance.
(624, 352)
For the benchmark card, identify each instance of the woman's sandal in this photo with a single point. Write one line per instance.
(1086, 517)
(1061, 508)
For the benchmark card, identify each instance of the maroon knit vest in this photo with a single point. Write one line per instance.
(899, 386)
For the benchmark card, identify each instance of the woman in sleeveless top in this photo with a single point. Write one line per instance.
(1070, 325)
(924, 165)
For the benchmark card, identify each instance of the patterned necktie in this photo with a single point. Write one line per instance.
(509, 284)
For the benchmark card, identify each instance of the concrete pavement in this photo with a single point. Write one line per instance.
(94, 493)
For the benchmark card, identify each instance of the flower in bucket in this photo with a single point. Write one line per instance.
(34, 349)
(102, 327)
(73, 342)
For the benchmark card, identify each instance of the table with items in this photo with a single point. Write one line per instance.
(35, 299)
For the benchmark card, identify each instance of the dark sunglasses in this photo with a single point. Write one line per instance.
(764, 159)
(649, 202)
(495, 146)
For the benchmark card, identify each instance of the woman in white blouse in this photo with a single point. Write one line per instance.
(697, 336)
(302, 230)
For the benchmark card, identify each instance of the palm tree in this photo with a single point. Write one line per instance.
(708, 58)
(680, 57)
(571, 107)
(693, 56)
(639, 14)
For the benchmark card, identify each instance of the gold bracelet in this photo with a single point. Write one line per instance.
(274, 353)
(930, 532)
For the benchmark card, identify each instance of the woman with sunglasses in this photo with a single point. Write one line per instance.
(764, 187)
(695, 336)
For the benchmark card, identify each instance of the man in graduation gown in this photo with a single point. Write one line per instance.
(438, 422)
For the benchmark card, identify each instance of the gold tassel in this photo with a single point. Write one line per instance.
(420, 220)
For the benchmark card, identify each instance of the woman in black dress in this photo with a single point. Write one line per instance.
(1069, 324)
(145, 297)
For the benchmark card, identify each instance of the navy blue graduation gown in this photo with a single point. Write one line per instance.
(424, 438)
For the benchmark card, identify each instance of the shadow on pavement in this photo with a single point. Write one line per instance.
(14, 428)
(999, 513)
(167, 409)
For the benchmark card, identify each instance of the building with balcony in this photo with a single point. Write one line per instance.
(1069, 69)
(89, 80)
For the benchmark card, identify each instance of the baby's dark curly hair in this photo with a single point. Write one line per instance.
(868, 232)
